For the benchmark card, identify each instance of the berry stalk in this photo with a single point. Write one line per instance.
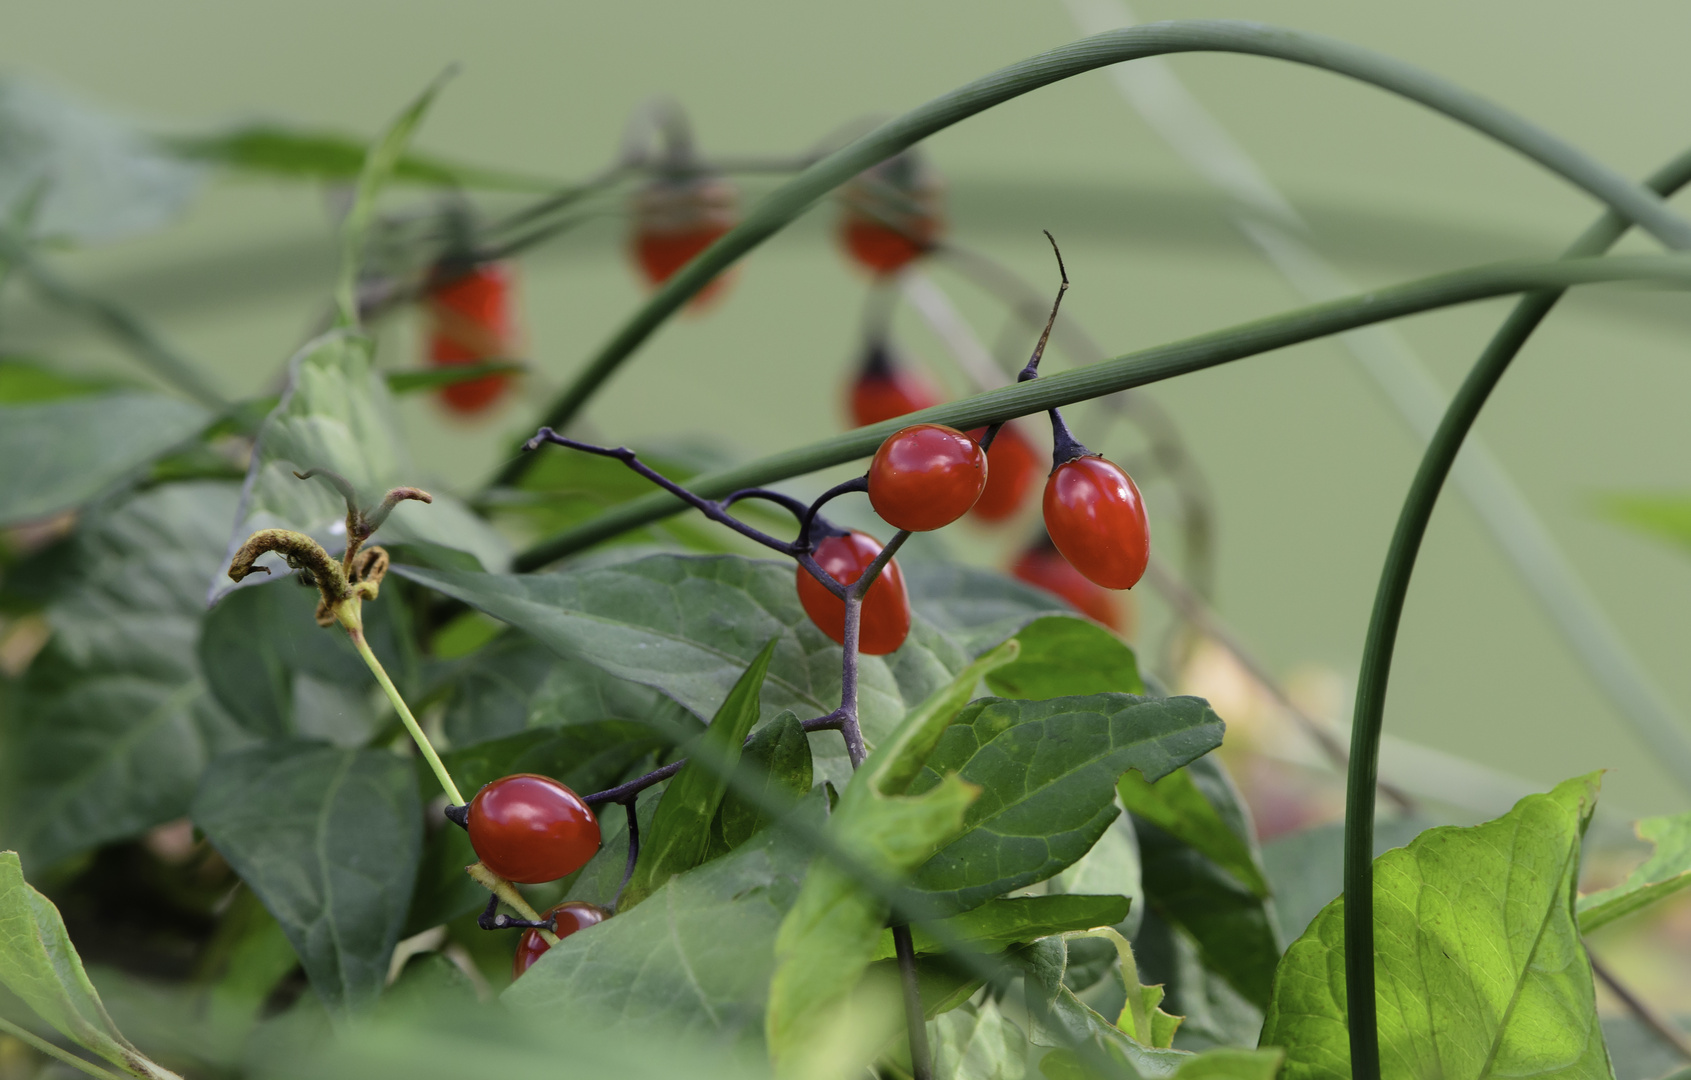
(356, 633)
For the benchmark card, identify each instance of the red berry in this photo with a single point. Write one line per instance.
(674, 220)
(926, 476)
(885, 620)
(531, 829)
(567, 919)
(1097, 520)
(471, 320)
(892, 214)
(1013, 466)
(878, 396)
(1043, 565)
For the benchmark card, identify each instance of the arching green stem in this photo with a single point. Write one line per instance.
(1101, 50)
(404, 711)
(1124, 372)
(1412, 522)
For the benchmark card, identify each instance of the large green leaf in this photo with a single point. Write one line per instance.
(977, 608)
(112, 725)
(337, 414)
(1307, 867)
(1063, 656)
(681, 828)
(1202, 872)
(977, 1042)
(516, 683)
(694, 959)
(39, 965)
(778, 761)
(1664, 873)
(92, 177)
(1047, 770)
(689, 625)
(270, 149)
(60, 454)
(329, 840)
(1479, 965)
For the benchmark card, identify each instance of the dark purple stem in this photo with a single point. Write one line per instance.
(710, 509)
(1064, 446)
(812, 513)
(849, 728)
(633, 852)
(915, 1020)
(491, 919)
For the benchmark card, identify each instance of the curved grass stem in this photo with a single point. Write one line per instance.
(1411, 529)
(1125, 372)
(787, 202)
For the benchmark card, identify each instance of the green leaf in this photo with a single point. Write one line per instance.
(977, 608)
(27, 382)
(688, 625)
(778, 761)
(92, 177)
(1110, 867)
(383, 156)
(1141, 1020)
(1048, 770)
(1063, 656)
(60, 454)
(680, 833)
(977, 1042)
(113, 724)
(1307, 867)
(587, 757)
(413, 381)
(1199, 806)
(695, 959)
(1664, 517)
(1013, 920)
(39, 965)
(329, 840)
(295, 153)
(1664, 873)
(337, 414)
(1061, 1020)
(1480, 967)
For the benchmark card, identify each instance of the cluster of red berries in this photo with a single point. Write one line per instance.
(531, 829)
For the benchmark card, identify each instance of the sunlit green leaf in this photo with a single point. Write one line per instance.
(113, 723)
(1664, 873)
(59, 454)
(977, 1042)
(329, 840)
(1048, 771)
(1479, 965)
(39, 965)
(680, 833)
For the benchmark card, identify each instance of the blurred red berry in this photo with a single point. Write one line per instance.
(1044, 566)
(1012, 467)
(891, 213)
(566, 919)
(674, 220)
(471, 320)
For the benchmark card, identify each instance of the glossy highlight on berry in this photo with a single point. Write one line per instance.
(885, 618)
(1097, 520)
(566, 919)
(926, 476)
(531, 829)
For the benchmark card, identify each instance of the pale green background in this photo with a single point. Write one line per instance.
(1308, 463)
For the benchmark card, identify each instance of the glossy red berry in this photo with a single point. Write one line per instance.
(471, 319)
(674, 220)
(1044, 566)
(1097, 520)
(531, 828)
(885, 619)
(566, 918)
(1013, 466)
(892, 214)
(926, 476)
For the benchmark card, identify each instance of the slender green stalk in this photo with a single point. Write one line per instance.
(1124, 372)
(36, 1041)
(1101, 50)
(1406, 541)
(404, 711)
